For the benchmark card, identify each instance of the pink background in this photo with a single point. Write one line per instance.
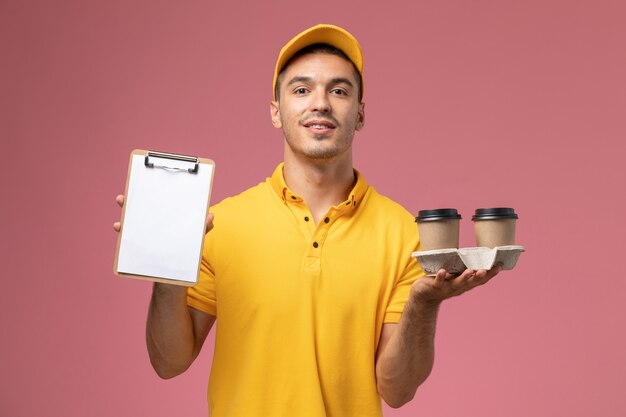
(469, 104)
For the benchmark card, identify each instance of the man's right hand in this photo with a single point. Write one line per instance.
(117, 226)
(175, 332)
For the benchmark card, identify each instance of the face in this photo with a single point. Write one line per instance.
(318, 107)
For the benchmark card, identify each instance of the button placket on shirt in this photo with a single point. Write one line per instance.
(304, 219)
(318, 238)
(300, 211)
(317, 233)
(322, 229)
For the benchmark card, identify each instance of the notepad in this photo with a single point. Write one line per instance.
(163, 219)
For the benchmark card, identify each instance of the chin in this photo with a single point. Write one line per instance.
(323, 154)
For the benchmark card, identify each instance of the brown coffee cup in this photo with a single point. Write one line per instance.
(438, 229)
(494, 226)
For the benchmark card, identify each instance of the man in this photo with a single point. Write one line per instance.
(321, 309)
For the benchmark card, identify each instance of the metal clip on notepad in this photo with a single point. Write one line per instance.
(172, 156)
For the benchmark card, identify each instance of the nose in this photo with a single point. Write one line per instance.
(320, 102)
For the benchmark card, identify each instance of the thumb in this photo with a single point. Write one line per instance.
(209, 222)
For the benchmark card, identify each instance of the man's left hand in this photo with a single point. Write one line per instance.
(433, 290)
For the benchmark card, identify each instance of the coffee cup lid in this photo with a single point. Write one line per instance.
(437, 214)
(496, 213)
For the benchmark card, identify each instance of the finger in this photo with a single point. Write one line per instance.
(481, 273)
(120, 200)
(440, 278)
(488, 274)
(467, 273)
(209, 222)
(466, 276)
(450, 276)
(495, 270)
(117, 226)
(482, 276)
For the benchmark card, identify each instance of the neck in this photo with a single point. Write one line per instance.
(321, 184)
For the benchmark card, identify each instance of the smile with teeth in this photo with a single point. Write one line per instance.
(319, 125)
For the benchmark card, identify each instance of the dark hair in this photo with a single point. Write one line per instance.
(318, 48)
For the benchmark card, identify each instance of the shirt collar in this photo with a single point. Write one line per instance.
(278, 184)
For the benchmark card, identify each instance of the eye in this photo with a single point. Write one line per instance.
(339, 91)
(300, 91)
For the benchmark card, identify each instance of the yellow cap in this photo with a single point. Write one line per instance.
(329, 34)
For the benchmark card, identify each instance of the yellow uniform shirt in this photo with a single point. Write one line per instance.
(300, 306)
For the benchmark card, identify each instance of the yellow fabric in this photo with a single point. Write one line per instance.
(298, 325)
(328, 34)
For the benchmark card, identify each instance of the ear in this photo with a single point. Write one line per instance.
(360, 116)
(275, 114)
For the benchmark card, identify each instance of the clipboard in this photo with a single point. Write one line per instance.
(163, 219)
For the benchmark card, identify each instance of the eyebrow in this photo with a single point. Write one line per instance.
(334, 81)
(342, 81)
(299, 79)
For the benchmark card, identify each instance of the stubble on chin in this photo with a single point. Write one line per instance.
(320, 150)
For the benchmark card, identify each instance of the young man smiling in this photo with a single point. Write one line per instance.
(319, 111)
(320, 309)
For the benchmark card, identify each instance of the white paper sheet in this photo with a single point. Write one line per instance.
(164, 219)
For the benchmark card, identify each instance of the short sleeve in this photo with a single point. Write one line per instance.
(202, 295)
(400, 292)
